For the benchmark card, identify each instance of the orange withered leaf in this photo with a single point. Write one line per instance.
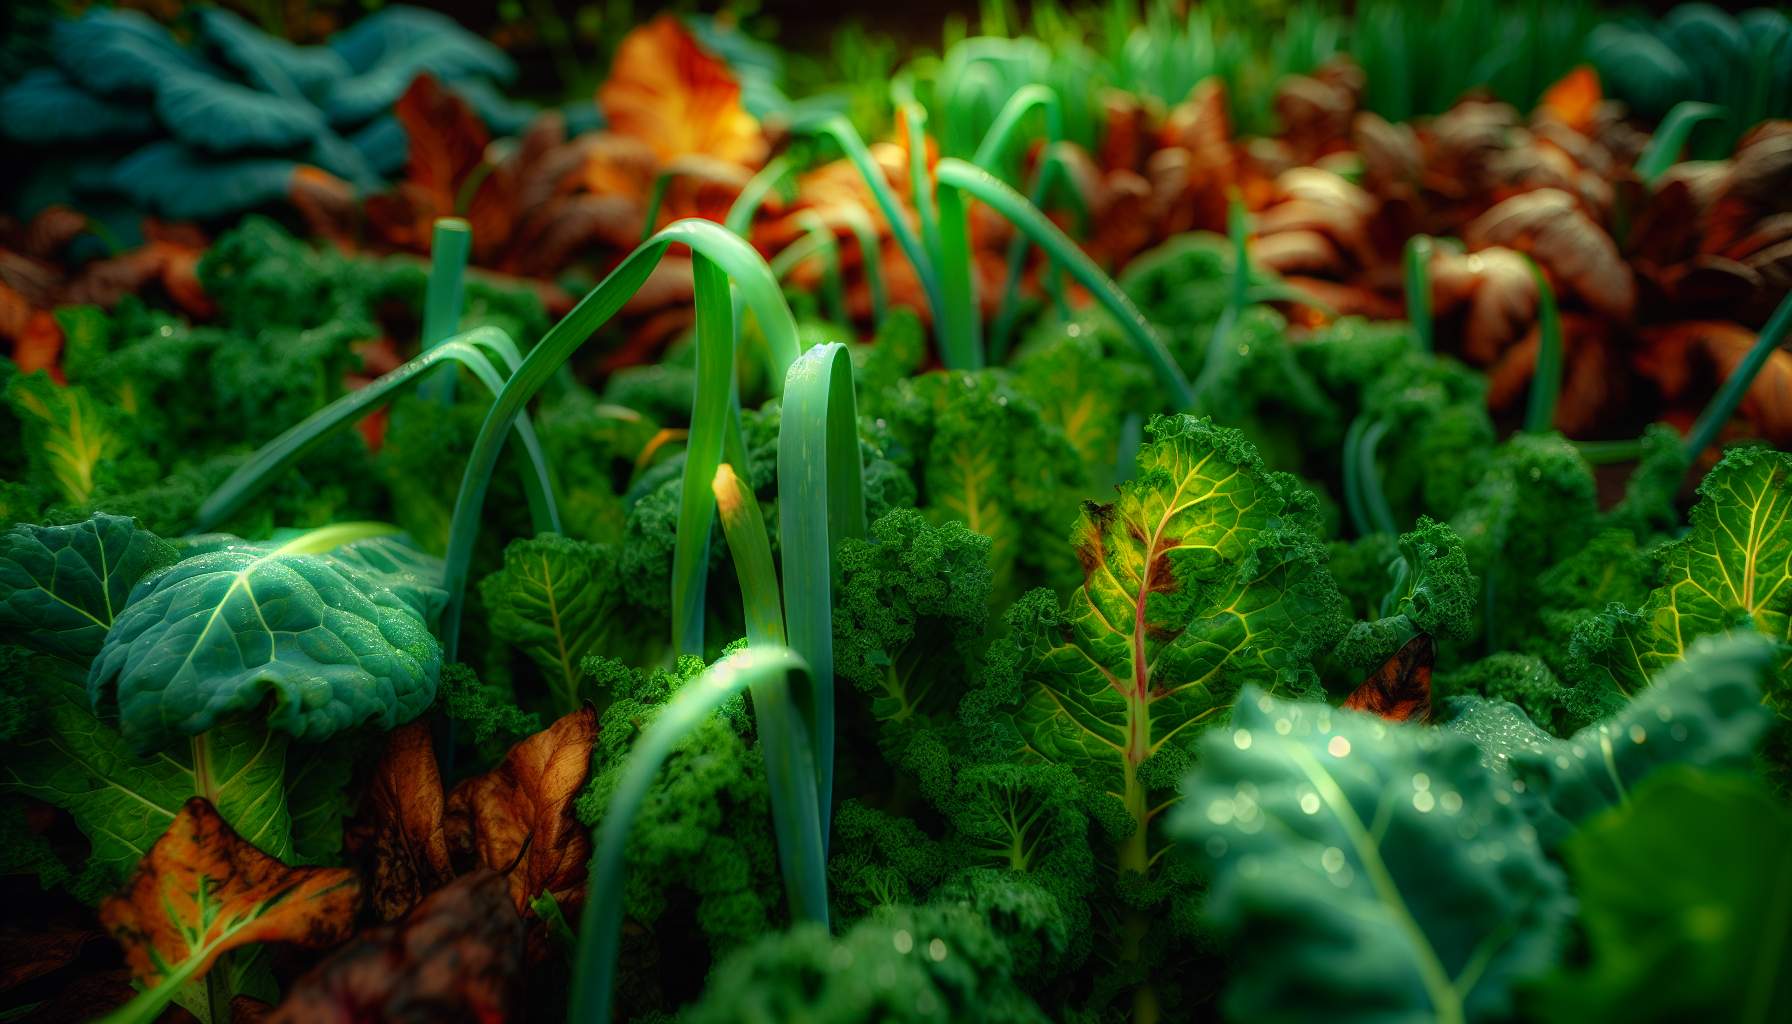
(398, 830)
(518, 817)
(1575, 99)
(1401, 689)
(202, 891)
(457, 957)
(1688, 361)
(668, 91)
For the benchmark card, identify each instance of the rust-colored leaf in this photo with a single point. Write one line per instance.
(668, 91)
(1688, 361)
(1575, 99)
(39, 344)
(202, 891)
(457, 957)
(446, 139)
(398, 831)
(1498, 293)
(518, 817)
(1401, 689)
(1550, 226)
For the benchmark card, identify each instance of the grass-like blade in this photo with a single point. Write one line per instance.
(1723, 404)
(1546, 377)
(1670, 137)
(833, 294)
(449, 245)
(759, 292)
(960, 323)
(843, 133)
(783, 714)
(1025, 216)
(999, 141)
(752, 197)
(1416, 267)
(600, 925)
(870, 257)
(821, 501)
(468, 349)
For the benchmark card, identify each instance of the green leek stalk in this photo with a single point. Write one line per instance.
(1546, 378)
(1723, 404)
(449, 245)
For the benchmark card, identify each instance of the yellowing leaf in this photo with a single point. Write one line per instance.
(668, 91)
(203, 891)
(67, 430)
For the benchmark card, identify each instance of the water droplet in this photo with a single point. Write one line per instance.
(1636, 734)
(1332, 859)
(1338, 747)
(1309, 803)
(1421, 782)
(936, 951)
(1216, 847)
(1242, 739)
(1220, 811)
(903, 941)
(1451, 802)
(1284, 727)
(1423, 801)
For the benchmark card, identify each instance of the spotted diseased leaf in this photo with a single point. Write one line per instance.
(1400, 690)
(457, 957)
(1733, 569)
(337, 634)
(518, 817)
(558, 600)
(667, 90)
(1366, 871)
(1704, 712)
(1203, 578)
(61, 586)
(203, 891)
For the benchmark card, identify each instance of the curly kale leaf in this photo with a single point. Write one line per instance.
(1557, 707)
(902, 965)
(559, 601)
(62, 586)
(1433, 591)
(338, 635)
(1535, 506)
(1366, 870)
(910, 606)
(1086, 389)
(984, 455)
(1204, 577)
(1732, 570)
(877, 860)
(705, 826)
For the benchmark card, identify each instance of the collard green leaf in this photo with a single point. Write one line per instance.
(557, 599)
(1733, 568)
(336, 633)
(215, 115)
(46, 107)
(61, 586)
(112, 51)
(1705, 711)
(122, 801)
(177, 182)
(1366, 871)
(1686, 899)
(1204, 577)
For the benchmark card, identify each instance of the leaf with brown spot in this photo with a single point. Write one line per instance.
(457, 957)
(667, 90)
(203, 891)
(1400, 690)
(398, 830)
(518, 817)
